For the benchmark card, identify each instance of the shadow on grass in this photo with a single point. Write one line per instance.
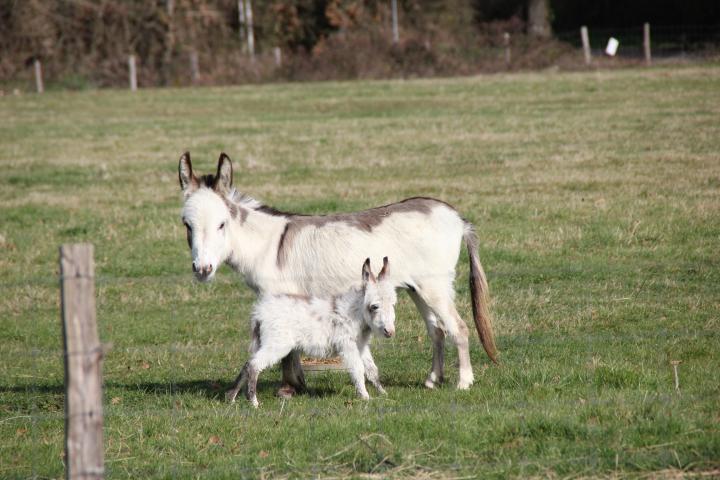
(211, 389)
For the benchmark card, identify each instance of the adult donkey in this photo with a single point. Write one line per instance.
(290, 253)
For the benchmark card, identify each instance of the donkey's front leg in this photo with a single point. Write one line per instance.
(354, 363)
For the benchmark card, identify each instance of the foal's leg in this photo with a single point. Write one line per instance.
(354, 362)
(371, 370)
(242, 377)
(266, 356)
(437, 336)
(440, 300)
(240, 382)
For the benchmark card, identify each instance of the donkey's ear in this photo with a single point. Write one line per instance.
(188, 180)
(384, 270)
(367, 274)
(224, 177)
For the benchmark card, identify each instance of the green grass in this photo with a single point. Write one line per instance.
(597, 200)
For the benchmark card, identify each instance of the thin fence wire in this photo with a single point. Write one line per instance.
(186, 279)
(667, 41)
(513, 341)
(521, 345)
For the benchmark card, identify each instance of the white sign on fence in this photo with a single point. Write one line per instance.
(612, 46)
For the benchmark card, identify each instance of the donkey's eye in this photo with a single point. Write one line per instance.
(222, 225)
(374, 307)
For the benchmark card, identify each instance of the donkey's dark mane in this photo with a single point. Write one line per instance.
(390, 206)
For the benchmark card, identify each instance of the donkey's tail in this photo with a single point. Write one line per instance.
(480, 294)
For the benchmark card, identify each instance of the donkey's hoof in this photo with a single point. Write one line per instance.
(286, 391)
(433, 381)
(464, 384)
(255, 402)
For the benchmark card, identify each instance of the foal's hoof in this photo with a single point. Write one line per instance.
(230, 396)
(286, 392)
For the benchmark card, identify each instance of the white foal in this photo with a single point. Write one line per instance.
(322, 327)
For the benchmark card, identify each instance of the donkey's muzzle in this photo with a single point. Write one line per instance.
(202, 272)
(388, 333)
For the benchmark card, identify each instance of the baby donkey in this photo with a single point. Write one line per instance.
(321, 327)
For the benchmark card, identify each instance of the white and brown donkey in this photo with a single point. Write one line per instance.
(289, 253)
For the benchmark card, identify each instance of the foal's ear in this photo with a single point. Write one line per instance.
(367, 274)
(384, 270)
(224, 177)
(188, 180)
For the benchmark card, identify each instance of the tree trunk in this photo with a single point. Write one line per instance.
(539, 18)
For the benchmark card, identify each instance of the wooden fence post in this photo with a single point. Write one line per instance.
(395, 28)
(250, 30)
(133, 73)
(646, 43)
(194, 66)
(586, 44)
(83, 356)
(241, 22)
(278, 56)
(506, 41)
(38, 76)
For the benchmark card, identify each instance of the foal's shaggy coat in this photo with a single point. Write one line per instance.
(281, 252)
(321, 327)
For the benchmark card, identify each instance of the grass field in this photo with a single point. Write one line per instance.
(597, 201)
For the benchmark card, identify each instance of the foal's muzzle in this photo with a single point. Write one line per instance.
(202, 272)
(388, 333)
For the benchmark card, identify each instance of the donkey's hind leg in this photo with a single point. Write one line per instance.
(293, 378)
(437, 336)
(439, 298)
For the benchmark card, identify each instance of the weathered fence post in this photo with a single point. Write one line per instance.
(250, 31)
(38, 77)
(241, 22)
(646, 43)
(133, 73)
(506, 42)
(586, 44)
(194, 66)
(395, 28)
(83, 356)
(278, 56)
